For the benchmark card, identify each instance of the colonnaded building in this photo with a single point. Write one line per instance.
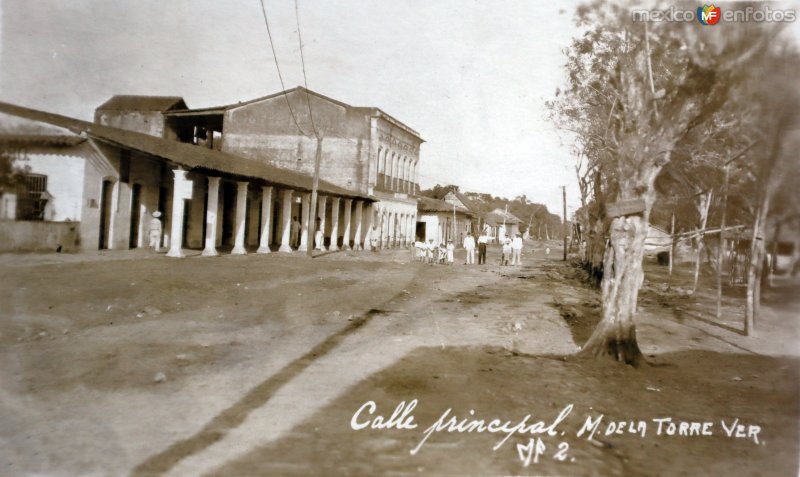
(232, 177)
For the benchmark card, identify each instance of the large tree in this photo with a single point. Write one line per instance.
(635, 91)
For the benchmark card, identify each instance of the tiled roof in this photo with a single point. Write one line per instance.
(464, 200)
(123, 102)
(51, 140)
(426, 204)
(367, 109)
(497, 216)
(187, 155)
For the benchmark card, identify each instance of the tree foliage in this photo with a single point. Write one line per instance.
(656, 111)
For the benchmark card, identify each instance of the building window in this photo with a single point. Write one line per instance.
(124, 166)
(32, 197)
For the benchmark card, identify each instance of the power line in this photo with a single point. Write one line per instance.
(277, 67)
(303, 63)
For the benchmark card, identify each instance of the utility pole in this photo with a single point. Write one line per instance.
(312, 218)
(564, 195)
(671, 249)
(504, 225)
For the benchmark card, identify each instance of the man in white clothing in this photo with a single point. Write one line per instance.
(155, 231)
(516, 250)
(469, 245)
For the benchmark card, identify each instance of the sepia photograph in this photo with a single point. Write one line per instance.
(399, 238)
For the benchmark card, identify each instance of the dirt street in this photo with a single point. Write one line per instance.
(126, 363)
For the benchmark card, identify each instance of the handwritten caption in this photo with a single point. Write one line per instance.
(540, 431)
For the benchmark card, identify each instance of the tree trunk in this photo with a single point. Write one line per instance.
(793, 268)
(703, 207)
(615, 335)
(595, 249)
(721, 247)
(774, 255)
(757, 250)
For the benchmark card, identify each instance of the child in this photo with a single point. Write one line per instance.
(450, 252)
(442, 254)
(429, 251)
(420, 248)
(506, 252)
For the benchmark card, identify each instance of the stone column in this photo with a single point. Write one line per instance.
(348, 206)
(321, 206)
(398, 230)
(404, 229)
(406, 221)
(241, 213)
(334, 224)
(176, 239)
(359, 212)
(212, 202)
(287, 222)
(304, 222)
(371, 220)
(266, 219)
(407, 229)
(390, 232)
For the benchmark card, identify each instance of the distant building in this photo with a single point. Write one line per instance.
(501, 224)
(442, 221)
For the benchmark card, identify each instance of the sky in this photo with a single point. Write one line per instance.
(471, 76)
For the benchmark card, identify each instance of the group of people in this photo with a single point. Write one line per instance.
(444, 253)
(431, 253)
(511, 251)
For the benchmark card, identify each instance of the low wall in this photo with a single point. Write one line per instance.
(36, 236)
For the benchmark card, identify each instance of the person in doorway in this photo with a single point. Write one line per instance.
(155, 231)
(469, 245)
(295, 239)
(516, 250)
(482, 241)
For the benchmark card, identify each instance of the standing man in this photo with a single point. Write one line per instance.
(482, 241)
(516, 250)
(319, 236)
(295, 239)
(155, 231)
(469, 245)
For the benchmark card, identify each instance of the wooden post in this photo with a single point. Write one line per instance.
(721, 247)
(671, 249)
(564, 195)
(313, 207)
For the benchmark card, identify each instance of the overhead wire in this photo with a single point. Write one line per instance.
(303, 63)
(278, 68)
